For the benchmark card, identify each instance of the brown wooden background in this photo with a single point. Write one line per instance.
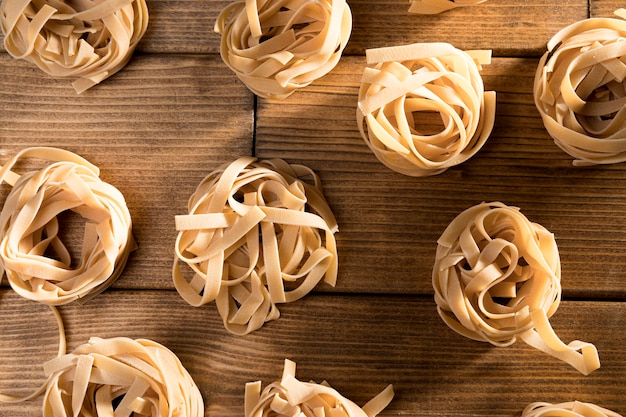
(176, 112)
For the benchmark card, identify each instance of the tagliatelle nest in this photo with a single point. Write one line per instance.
(257, 234)
(121, 377)
(33, 256)
(580, 92)
(277, 47)
(86, 40)
(497, 279)
(290, 397)
(439, 6)
(422, 108)
(568, 409)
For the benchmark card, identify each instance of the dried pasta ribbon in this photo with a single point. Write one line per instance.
(120, 377)
(497, 278)
(290, 397)
(580, 93)
(422, 107)
(567, 409)
(33, 255)
(439, 6)
(256, 235)
(278, 47)
(86, 40)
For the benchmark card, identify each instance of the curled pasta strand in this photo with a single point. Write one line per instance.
(439, 6)
(567, 409)
(121, 377)
(257, 234)
(580, 93)
(497, 279)
(278, 47)
(61, 351)
(290, 397)
(404, 86)
(87, 40)
(33, 256)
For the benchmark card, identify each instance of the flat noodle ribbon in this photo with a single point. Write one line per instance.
(33, 256)
(439, 6)
(406, 86)
(497, 278)
(290, 397)
(580, 93)
(87, 40)
(567, 409)
(120, 377)
(278, 47)
(256, 235)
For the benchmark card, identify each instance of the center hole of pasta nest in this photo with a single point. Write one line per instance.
(71, 232)
(426, 123)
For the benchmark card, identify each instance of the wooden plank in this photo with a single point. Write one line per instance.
(358, 344)
(389, 223)
(509, 28)
(155, 131)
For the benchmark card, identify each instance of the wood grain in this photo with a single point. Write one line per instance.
(357, 343)
(176, 112)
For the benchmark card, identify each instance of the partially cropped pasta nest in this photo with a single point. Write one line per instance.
(568, 409)
(121, 377)
(278, 47)
(290, 397)
(257, 234)
(422, 108)
(497, 279)
(85, 40)
(580, 91)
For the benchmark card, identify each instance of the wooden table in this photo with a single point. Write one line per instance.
(176, 112)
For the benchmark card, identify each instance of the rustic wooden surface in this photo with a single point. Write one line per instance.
(176, 112)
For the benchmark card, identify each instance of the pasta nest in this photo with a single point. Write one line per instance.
(290, 397)
(86, 40)
(256, 235)
(33, 255)
(121, 377)
(567, 409)
(580, 92)
(497, 278)
(403, 87)
(277, 47)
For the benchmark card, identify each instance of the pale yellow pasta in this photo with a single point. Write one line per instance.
(497, 279)
(33, 257)
(580, 93)
(290, 397)
(120, 377)
(81, 39)
(277, 47)
(422, 107)
(257, 234)
(439, 6)
(567, 409)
